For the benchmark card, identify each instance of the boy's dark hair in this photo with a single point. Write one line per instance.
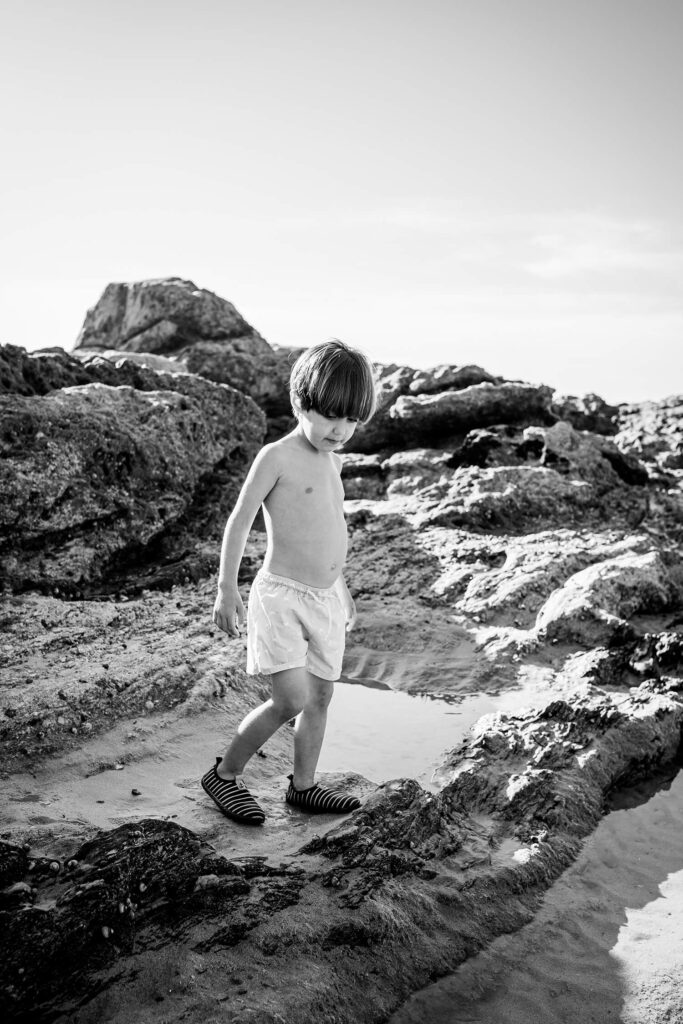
(334, 380)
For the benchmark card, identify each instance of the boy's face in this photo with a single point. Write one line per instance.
(325, 433)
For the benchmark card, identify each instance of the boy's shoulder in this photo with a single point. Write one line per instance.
(276, 449)
(277, 454)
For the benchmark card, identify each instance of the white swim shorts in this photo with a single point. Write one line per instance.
(292, 625)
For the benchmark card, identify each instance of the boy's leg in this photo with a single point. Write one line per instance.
(289, 694)
(309, 729)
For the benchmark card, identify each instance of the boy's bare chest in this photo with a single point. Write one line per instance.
(309, 490)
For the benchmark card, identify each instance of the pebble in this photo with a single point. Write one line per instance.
(135, 792)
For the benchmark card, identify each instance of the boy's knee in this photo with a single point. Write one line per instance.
(320, 695)
(288, 705)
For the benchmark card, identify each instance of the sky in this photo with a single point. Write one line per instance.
(434, 181)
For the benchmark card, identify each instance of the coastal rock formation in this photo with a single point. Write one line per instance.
(100, 482)
(500, 535)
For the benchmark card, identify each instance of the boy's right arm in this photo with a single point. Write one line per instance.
(228, 610)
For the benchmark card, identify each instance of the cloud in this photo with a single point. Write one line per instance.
(583, 244)
(569, 248)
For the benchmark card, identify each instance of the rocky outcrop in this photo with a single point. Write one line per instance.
(102, 483)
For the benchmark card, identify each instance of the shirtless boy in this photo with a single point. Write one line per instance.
(299, 604)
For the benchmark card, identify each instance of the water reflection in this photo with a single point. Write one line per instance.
(383, 733)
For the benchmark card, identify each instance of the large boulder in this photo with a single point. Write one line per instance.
(205, 333)
(98, 481)
(165, 316)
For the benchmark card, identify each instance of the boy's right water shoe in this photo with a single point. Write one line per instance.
(233, 797)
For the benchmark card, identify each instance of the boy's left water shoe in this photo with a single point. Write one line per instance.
(318, 800)
(233, 797)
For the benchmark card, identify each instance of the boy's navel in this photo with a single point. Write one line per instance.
(309, 490)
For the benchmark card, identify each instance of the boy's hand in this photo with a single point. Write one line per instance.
(349, 608)
(228, 611)
(351, 615)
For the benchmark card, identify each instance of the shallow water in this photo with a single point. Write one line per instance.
(386, 734)
(605, 946)
(151, 768)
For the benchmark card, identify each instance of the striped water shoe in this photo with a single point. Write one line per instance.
(233, 797)
(318, 800)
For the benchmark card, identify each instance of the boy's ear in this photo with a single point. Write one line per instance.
(296, 402)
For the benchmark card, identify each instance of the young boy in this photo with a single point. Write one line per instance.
(299, 604)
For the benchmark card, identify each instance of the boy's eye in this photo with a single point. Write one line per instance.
(331, 415)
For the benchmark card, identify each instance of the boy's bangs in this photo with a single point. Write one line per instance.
(335, 380)
(351, 394)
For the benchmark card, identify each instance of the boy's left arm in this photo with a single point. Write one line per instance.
(348, 603)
